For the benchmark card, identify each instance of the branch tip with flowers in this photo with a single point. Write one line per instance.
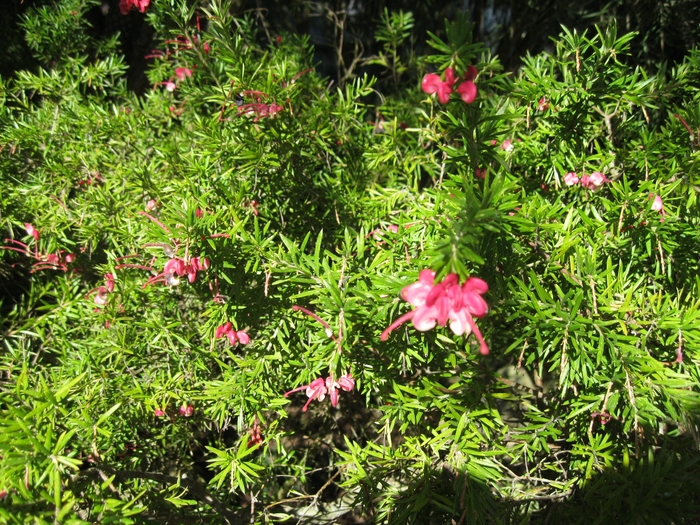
(438, 303)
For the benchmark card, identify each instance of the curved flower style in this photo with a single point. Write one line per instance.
(438, 303)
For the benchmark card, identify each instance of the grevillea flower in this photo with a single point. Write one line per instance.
(182, 73)
(658, 204)
(318, 389)
(542, 105)
(186, 410)
(226, 330)
(158, 412)
(31, 230)
(594, 181)
(127, 5)
(432, 83)
(571, 179)
(315, 390)
(467, 89)
(438, 303)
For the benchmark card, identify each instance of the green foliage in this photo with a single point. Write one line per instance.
(300, 220)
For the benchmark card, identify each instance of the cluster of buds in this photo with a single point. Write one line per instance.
(50, 261)
(593, 182)
(432, 83)
(255, 435)
(318, 388)
(226, 330)
(92, 178)
(438, 303)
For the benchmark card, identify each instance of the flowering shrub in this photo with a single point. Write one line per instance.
(180, 267)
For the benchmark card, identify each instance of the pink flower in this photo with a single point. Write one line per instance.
(658, 204)
(234, 337)
(198, 213)
(571, 179)
(31, 230)
(101, 296)
(174, 266)
(315, 390)
(480, 173)
(150, 205)
(69, 258)
(186, 410)
(433, 84)
(507, 145)
(182, 73)
(110, 282)
(346, 382)
(543, 105)
(467, 89)
(158, 412)
(127, 5)
(170, 86)
(438, 303)
(594, 181)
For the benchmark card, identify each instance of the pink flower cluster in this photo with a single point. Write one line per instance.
(127, 5)
(318, 388)
(594, 181)
(226, 330)
(432, 83)
(437, 303)
(49, 261)
(181, 73)
(176, 268)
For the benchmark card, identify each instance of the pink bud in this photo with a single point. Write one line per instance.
(186, 410)
(243, 337)
(204, 263)
(159, 413)
(31, 230)
(170, 86)
(150, 205)
(69, 258)
(198, 213)
(174, 266)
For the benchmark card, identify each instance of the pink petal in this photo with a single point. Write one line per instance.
(232, 337)
(571, 179)
(425, 318)
(430, 83)
(476, 285)
(346, 382)
(470, 73)
(417, 293)
(243, 337)
(468, 91)
(223, 330)
(458, 322)
(444, 90)
(450, 77)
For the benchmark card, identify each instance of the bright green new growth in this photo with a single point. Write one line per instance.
(584, 411)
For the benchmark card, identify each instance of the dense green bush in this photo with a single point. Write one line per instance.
(174, 264)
